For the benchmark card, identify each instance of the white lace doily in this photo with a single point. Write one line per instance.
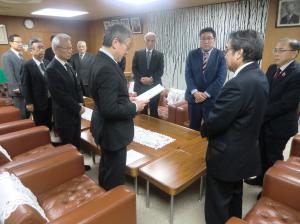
(5, 153)
(150, 138)
(13, 193)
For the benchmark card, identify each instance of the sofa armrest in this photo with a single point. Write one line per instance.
(22, 141)
(171, 113)
(9, 113)
(15, 126)
(114, 207)
(180, 103)
(182, 114)
(282, 184)
(235, 220)
(44, 174)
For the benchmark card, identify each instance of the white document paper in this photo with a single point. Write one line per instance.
(151, 93)
(87, 114)
(133, 156)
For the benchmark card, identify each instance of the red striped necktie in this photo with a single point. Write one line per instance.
(277, 73)
(205, 60)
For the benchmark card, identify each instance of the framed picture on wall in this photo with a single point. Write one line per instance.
(3, 34)
(106, 24)
(125, 22)
(135, 24)
(288, 13)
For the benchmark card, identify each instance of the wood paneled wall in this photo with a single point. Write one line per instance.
(44, 28)
(274, 34)
(96, 32)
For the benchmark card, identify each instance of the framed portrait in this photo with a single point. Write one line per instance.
(288, 13)
(135, 24)
(114, 21)
(125, 22)
(106, 24)
(3, 34)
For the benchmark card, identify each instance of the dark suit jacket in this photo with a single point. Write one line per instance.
(34, 85)
(233, 126)
(139, 69)
(49, 54)
(12, 66)
(281, 118)
(82, 67)
(109, 91)
(213, 78)
(292, 20)
(66, 95)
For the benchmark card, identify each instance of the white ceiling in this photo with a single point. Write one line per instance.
(98, 9)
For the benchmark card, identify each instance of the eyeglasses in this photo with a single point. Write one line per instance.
(207, 38)
(280, 50)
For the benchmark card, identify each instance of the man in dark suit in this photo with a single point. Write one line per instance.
(65, 91)
(112, 120)
(49, 54)
(148, 68)
(290, 17)
(34, 85)
(205, 74)
(82, 62)
(233, 127)
(12, 61)
(281, 117)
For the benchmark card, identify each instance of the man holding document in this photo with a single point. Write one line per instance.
(148, 68)
(112, 120)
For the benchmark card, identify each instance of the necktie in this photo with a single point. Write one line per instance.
(277, 74)
(148, 58)
(81, 56)
(70, 71)
(205, 60)
(43, 67)
(21, 57)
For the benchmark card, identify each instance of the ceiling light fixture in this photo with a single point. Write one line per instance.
(58, 12)
(138, 2)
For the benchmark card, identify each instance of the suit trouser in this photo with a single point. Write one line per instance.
(44, 117)
(70, 134)
(19, 102)
(197, 112)
(271, 150)
(222, 200)
(153, 104)
(112, 168)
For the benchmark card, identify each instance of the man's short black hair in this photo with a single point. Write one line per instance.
(208, 30)
(11, 38)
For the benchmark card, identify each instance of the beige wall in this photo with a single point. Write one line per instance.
(273, 34)
(43, 28)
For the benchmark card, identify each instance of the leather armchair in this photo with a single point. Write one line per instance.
(280, 198)
(295, 146)
(67, 195)
(15, 126)
(9, 113)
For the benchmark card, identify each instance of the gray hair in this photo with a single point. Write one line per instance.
(81, 41)
(58, 39)
(251, 43)
(33, 41)
(293, 43)
(118, 31)
(149, 34)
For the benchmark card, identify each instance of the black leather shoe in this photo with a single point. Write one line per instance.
(87, 167)
(255, 181)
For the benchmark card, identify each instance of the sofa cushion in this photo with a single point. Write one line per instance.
(68, 196)
(269, 211)
(4, 156)
(35, 151)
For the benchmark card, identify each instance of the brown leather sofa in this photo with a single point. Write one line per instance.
(15, 126)
(9, 113)
(27, 145)
(280, 198)
(67, 195)
(295, 146)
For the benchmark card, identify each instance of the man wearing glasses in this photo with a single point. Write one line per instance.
(281, 117)
(12, 61)
(205, 74)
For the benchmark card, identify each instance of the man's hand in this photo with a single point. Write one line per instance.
(82, 110)
(200, 97)
(141, 104)
(30, 107)
(147, 80)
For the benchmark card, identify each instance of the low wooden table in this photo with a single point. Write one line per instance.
(177, 170)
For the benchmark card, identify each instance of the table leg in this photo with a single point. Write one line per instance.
(171, 209)
(147, 195)
(136, 185)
